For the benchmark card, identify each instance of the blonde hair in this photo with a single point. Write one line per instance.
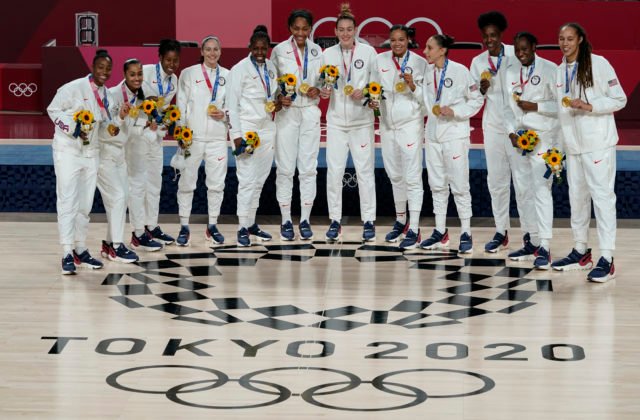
(345, 13)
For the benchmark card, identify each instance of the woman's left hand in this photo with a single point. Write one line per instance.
(357, 94)
(580, 104)
(527, 106)
(445, 111)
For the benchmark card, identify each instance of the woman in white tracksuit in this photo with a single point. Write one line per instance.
(451, 97)
(202, 101)
(75, 158)
(112, 174)
(530, 104)
(145, 153)
(589, 92)
(298, 133)
(401, 74)
(350, 126)
(251, 104)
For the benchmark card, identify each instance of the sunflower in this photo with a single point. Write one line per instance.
(177, 131)
(523, 142)
(76, 116)
(148, 106)
(291, 80)
(174, 115)
(554, 158)
(87, 117)
(332, 71)
(323, 69)
(374, 88)
(187, 134)
(250, 136)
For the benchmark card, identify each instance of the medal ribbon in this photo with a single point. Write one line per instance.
(104, 105)
(302, 70)
(399, 67)
(214, 89)
(492, 68)
(125, 96)
(266, 84)
(441, 82)
(160, 88)
(531, 69)
(347, 71)
(567, 81)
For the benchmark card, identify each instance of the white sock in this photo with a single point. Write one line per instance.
(116, 245)
(535, 239)
(67, 249)
(581, 247)
(244, 222)
(80, 248)
(465, 226)
(305, 213)
(441, 223)
(607, 254)
(401, 211)
(213, 220)
(544, 243)
(285, 211)
(414, 220)
(139, 232)
(184, 221)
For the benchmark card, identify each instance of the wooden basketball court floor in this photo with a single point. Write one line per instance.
(313, 330)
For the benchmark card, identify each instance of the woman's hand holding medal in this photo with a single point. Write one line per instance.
(408, 79)
(357, 94)
(124, 110)
(527, 106)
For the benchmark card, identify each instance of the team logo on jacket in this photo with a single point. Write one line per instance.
(314, 52)
(358, 64)
(408, 70)
(535, 80)
(222, 81)
(272, 75)
(448, 82)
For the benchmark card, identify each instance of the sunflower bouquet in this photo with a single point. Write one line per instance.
(171, 117)
(374, 93)
(554, 159)
(329, 75)
(287, 84)
(184, 137)
(84, 123)
(527, 141)
(150, 108)
(249, 144)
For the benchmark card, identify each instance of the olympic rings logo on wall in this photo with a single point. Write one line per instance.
(316, 395)
(23, 89)
(377, 19)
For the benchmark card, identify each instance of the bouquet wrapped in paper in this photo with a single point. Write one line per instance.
(249, 144)
(287, 84)
(184, 137)
(554, 159)
(329, 76)
(84, 124)
(374, 93)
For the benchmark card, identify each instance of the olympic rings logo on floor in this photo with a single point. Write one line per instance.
(179, 393)
(23, 89)
(350, 180)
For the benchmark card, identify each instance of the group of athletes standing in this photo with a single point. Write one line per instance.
(570, 106)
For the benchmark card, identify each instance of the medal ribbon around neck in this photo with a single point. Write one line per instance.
(347, 71)
(523, 83)
(302, 69)
(125, 96)
(102, 104)
(403, 66)
(159, 80)
(493, 68)
(568, 82)
(443, 74)
(213, 89)
(266, 84)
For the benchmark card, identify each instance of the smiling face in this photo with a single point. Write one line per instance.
(525, 51)
(170, 62)
(259, 50)
(569, 42)
(346, 32)
(399, 42)
(133, 76)
(101, 71)
(433, 52)
(211, 52)
(492, 39)
(300, 31)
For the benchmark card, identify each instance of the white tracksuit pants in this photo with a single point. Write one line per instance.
(503, 164)
(402, 156)
(297, 145)
(358, 141)
(591, 176)
(114, 187)
(252, 171)
(448, 167)
(144, 163)
(75, 187)
(214, 154)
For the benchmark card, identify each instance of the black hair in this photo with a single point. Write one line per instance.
(492, 18)
(260, 32)
(345, 13)
(402, 28)
(101, 54)
(167, 45)
(300, 13)
(444, 41)
(585, 72)
(526, 35)
(130, 62)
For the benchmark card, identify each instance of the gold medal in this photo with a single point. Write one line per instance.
(112, 129)
(485, 75)
(516, 97)
(270, 107)
(566, 102)
(134, 111)
(401, 87)
(436, 110)
(212, 108)
(160, 102)
(304, 88)
(348, 90)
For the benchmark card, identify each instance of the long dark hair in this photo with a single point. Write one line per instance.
(444, 41)
(585, 72)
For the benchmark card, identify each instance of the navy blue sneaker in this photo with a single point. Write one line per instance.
(498, 242)
(335, 231)
(527, 252)
(243, 237)
(603, 272)
(306, 233)
(466, 244)
(160, 236)
(260, 234)
(184, 236)
(145, 242)
(368, 232)
(213, 235)
(86, 260)
(121, 254)
(411, 240)
(396, 231)
(574, 261)
(286, 231)
(437, 240)
(543, 259)
(68, 267)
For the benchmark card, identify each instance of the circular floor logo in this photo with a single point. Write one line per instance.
(180, 284)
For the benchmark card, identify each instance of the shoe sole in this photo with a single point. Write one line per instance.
(243, 245)
(466, 251)
(498, 249)
(163, 242)
(121, 260)
(408, 247)
(306, 239)
(435, 247)
(573, 267)
(369, 240)
(523, 258)
(282, 238)
(183, 245)
(261, 239)
(336, 239)
(542, 267)
(601, 279)
(68, 273)
(392, 241)
(87, 265)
